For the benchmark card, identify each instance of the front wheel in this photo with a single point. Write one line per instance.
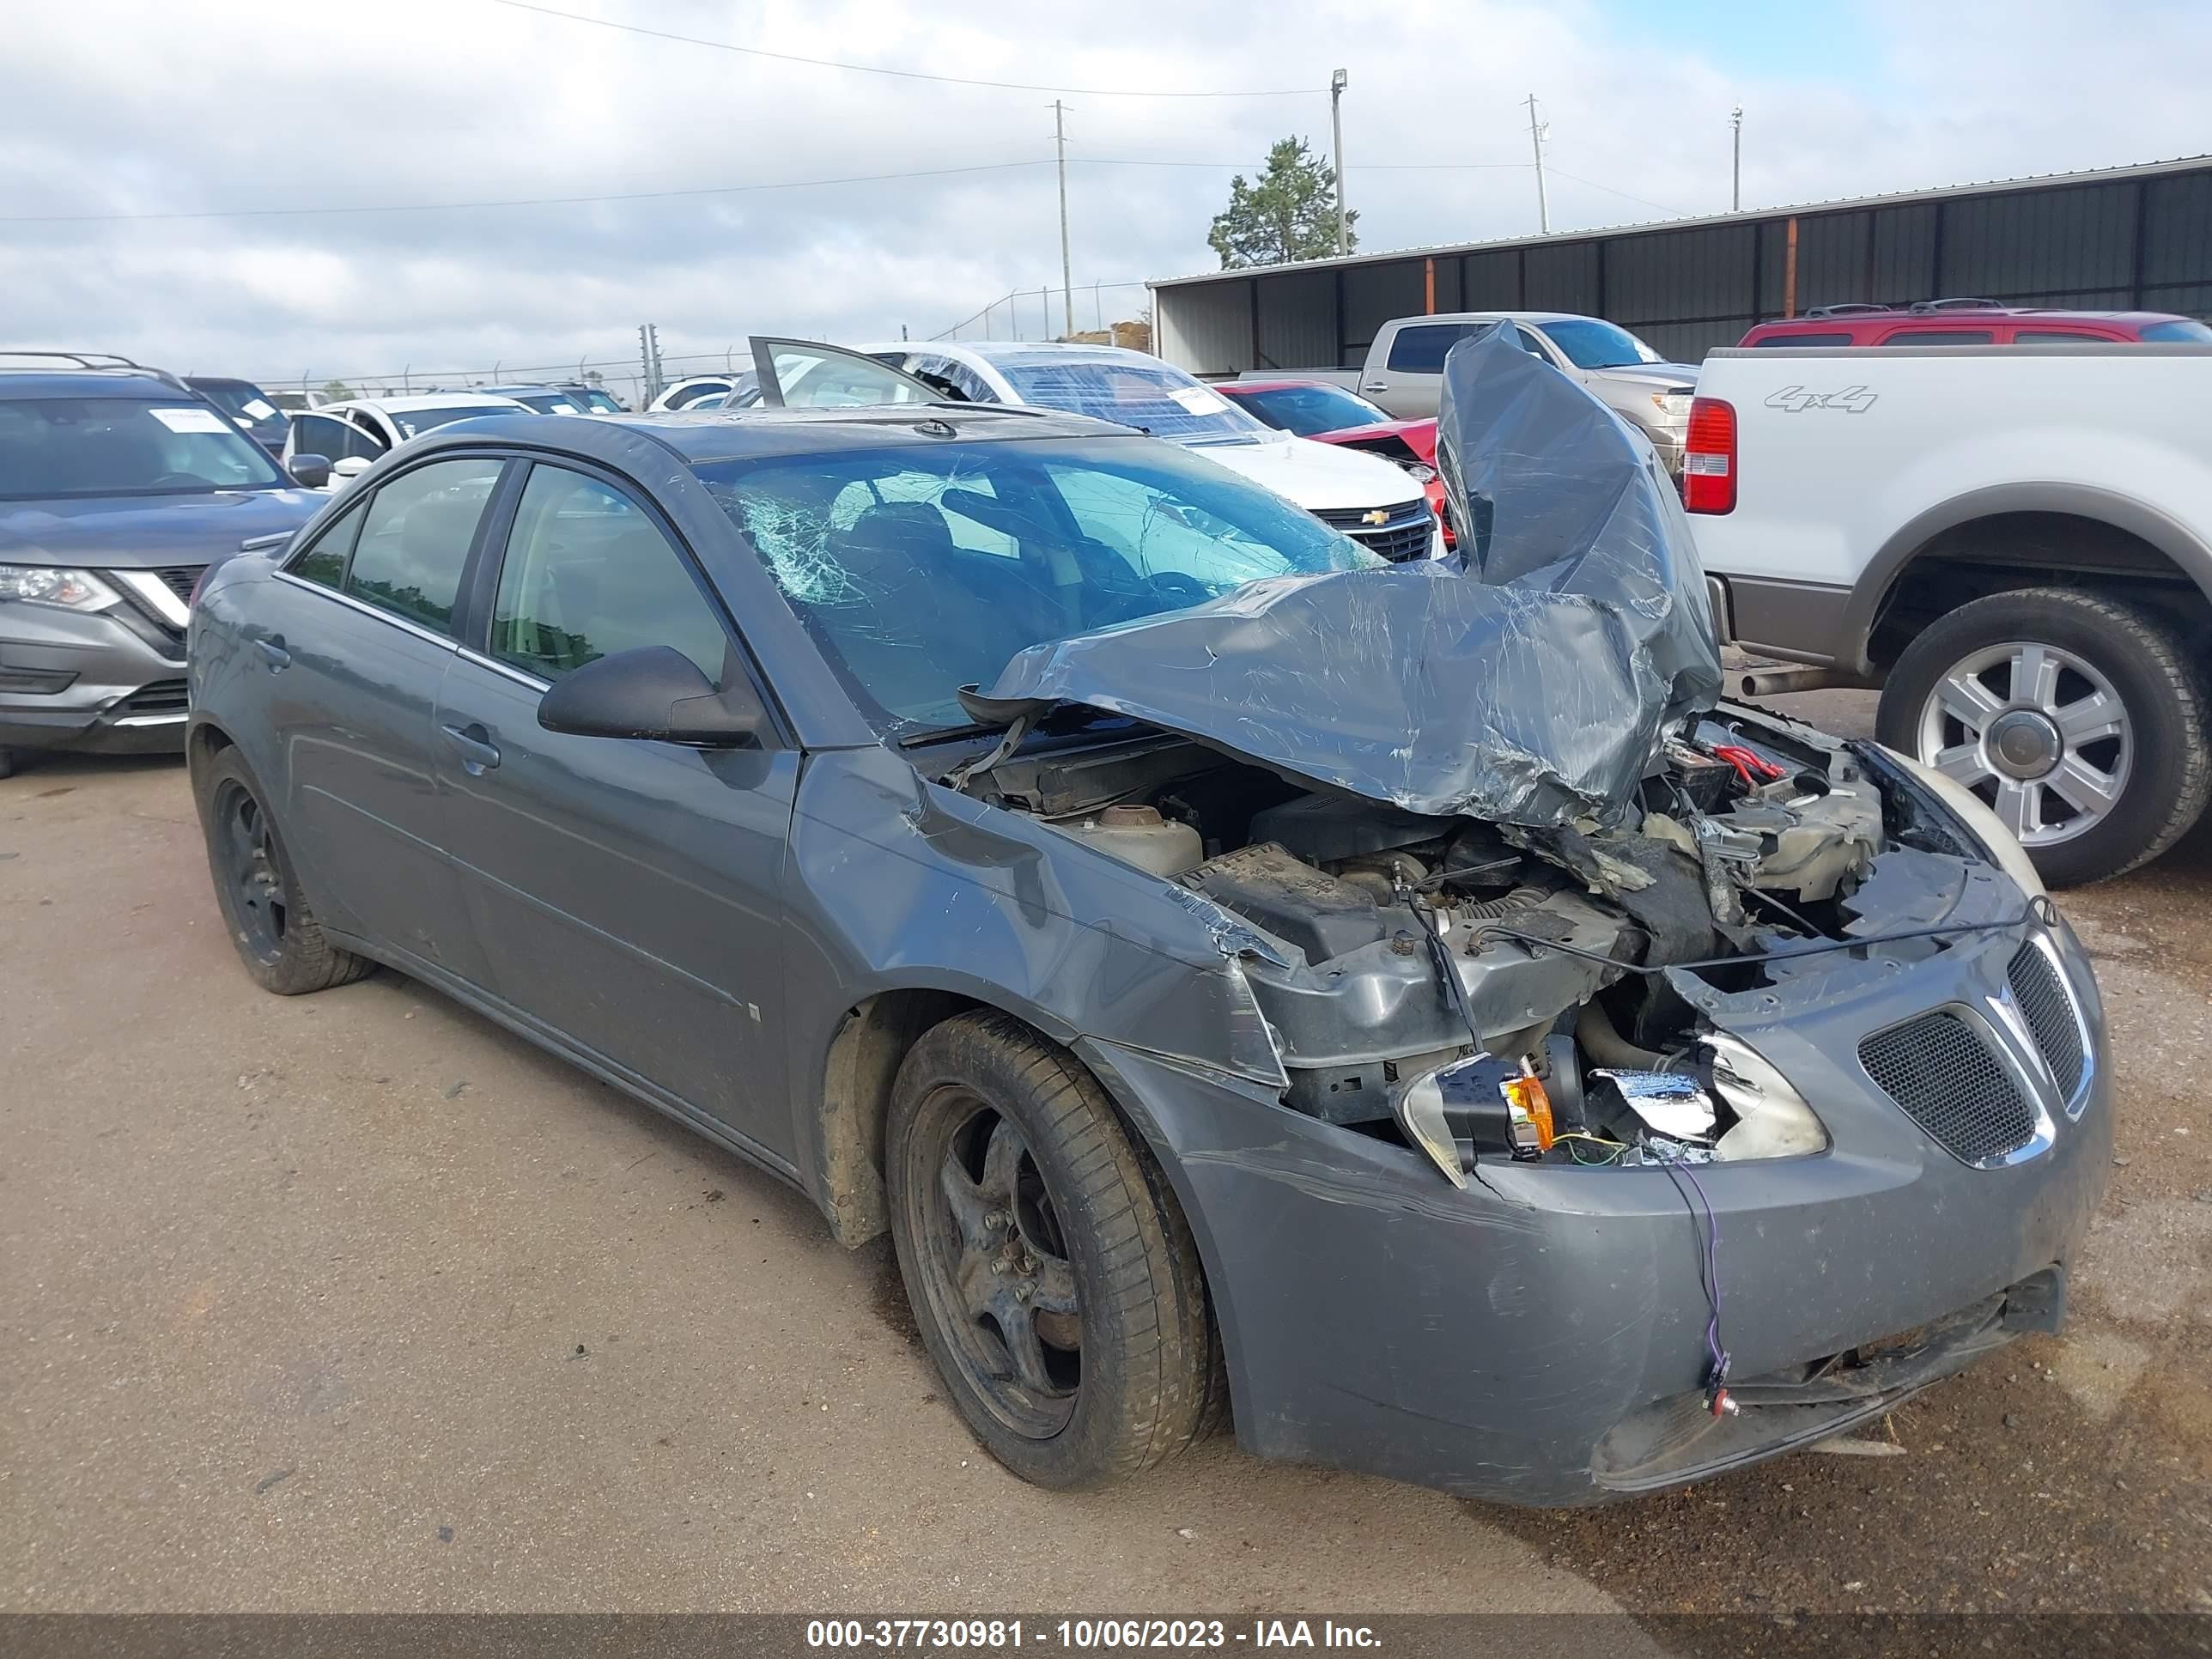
(2075, 717)
(276, 935)
(1051, 1276)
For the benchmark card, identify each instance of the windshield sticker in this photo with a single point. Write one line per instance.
(190, 419)
(1198, 400)
(259, 410)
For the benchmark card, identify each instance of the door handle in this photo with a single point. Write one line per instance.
(1375, 386)
(479, 754)
(273, 649)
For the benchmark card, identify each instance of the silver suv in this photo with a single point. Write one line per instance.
(118, 486)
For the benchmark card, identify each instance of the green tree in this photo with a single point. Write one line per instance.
(1288, 213)
(337, 392)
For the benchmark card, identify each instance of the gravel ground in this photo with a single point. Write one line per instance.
(354, 1301)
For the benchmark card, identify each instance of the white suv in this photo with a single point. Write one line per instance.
(352, 436)
(1375, 501)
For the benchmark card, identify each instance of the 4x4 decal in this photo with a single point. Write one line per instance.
(1796, 400)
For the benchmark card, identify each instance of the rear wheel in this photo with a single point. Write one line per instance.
(1053, 1280)
(2075, 717)
(274, 933)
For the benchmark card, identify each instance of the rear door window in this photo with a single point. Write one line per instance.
(415, 540)
(1938, 337)
(1420, 350)
(2059, 335)
(1834, 339)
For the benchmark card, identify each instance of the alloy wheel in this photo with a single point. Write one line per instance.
(2036, 732)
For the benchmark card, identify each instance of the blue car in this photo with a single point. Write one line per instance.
(119, 485)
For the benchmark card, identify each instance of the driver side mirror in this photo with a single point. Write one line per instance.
(656, 693)
(309, 471)
(351, 466)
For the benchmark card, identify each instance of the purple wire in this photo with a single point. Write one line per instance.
(1712, 1265)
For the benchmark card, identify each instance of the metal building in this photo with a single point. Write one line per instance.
(2118, 238)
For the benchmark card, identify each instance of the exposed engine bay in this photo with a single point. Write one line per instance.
(1484, 991)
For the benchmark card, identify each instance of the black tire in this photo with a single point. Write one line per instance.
(1131, 1373)
(274, 933)
(7, 762)
(2136, 649)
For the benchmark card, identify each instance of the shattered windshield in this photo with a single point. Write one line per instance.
(1135, 390)
(920, 569)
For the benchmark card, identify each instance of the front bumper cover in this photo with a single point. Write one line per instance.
(124, 682)
(1539, 1339)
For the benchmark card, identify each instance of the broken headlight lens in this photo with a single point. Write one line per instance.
(1772, 1119)
(70, 590)
(2001, 845)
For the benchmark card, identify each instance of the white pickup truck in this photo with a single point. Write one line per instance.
(2014, 543)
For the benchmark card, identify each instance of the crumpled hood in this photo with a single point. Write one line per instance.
(1528, 686)
(144, 532)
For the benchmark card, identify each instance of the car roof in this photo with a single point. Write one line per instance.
(1287, 383)
(1950, 314)
(426, 400)
(87, 383)
(715, 436)
(1018, 351)
(1504, 316)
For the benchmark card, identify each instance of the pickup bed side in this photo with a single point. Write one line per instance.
(1885, 503)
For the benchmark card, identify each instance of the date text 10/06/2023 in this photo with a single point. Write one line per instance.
(988, 1635)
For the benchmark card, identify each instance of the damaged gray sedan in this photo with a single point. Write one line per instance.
(1398, 1008)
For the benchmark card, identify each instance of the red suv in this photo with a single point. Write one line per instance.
(1972, 322)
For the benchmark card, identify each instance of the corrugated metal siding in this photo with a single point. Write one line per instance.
(1491, 282)
(1207, 330)
(2042, 244)
(1564, 276)
(1297, 320)
(2109, 244)
(1373, 295)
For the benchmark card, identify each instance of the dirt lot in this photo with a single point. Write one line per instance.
(354, 1302)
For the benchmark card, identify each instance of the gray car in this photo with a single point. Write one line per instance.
(118, 486)
(1234, 990)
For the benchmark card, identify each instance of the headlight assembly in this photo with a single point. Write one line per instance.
(67, 590)
(2001, 845)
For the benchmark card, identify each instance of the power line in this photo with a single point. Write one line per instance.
(1561, 173)
(518, 202)
(698, 190)
(877, 69)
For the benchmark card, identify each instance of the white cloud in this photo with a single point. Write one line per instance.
(125, 106)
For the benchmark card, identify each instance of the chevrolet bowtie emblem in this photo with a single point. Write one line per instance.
(1379, 515)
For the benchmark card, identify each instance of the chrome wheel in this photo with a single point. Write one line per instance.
(2036, 732)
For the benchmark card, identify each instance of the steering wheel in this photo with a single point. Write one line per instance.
(192, 478)
(1181, 587)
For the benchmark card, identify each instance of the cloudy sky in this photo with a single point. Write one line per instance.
(152, 155)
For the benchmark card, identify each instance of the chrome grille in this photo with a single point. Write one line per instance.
(1405, 535)
(179, 578)
(2048, 1008)
(1952, 1085)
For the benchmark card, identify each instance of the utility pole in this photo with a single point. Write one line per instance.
(1536, 139)
(1066, 268)
(1337, 83)
(1735, 166)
